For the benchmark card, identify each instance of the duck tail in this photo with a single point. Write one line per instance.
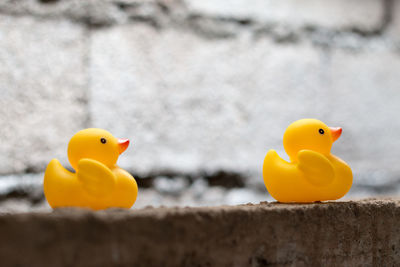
(53, 167)
(273, 164)
(272, 158)
(53, 182)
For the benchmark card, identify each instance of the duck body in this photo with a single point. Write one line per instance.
(98, 182)
(313, 173)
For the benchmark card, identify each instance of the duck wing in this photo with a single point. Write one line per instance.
(96, 178)
(317, 169)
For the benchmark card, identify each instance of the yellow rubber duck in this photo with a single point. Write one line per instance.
(313, 174)
(98, 182)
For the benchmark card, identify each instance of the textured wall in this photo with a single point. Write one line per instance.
(200, 86)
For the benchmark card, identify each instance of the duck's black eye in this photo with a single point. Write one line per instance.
(103, 140)
(321, 131)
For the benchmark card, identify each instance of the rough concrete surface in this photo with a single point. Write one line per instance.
(365, 233)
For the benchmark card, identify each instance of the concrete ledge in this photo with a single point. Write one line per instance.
(362, 233)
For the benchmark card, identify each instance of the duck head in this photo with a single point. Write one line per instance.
(97, 144)
(309, 134)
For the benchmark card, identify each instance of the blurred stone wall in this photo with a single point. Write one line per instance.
(200, 86)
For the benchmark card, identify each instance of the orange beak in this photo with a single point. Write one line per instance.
(122, 145)
(335, 132)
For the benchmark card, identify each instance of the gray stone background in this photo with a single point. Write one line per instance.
(202, 88)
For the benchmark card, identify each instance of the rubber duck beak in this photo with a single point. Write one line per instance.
(122, 145)
(336, 132)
